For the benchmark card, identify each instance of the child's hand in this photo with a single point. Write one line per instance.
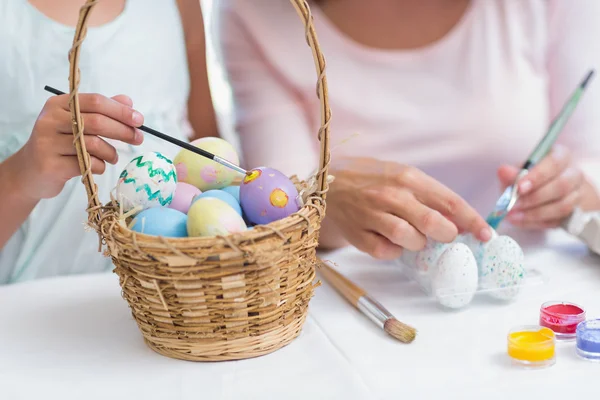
(48, 160)
(548, 193)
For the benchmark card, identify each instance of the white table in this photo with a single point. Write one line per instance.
(74, 338)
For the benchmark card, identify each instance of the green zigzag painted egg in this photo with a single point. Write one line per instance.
(149, 180)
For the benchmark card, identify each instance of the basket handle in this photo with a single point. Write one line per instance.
(85, 165)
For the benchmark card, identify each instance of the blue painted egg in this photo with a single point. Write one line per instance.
(161, 221)
(223, 196)
(234, 191)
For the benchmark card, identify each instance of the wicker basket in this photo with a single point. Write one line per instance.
(220, 298)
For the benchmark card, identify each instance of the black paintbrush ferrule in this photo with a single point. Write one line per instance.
(587, 79)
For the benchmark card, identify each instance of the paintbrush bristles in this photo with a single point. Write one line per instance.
(399, 330)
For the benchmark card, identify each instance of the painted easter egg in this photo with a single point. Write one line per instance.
(211, 217)
(429, 256)
(267, 195)
(409, 258)
(161, 221)
(477, 246)
(149, 180)
(184, 195)
(454, 277)
(234, 191)
(202, 172)
(503, 268)
(223, 196)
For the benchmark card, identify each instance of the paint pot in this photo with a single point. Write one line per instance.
(532, 346)
(562, 318)
(588, 340)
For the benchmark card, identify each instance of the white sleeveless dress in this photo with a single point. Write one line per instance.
(141, 54)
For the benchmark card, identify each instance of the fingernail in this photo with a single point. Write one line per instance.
(485, 234)
(516, 217)
(139, 136)
(525, 186)
(137, 118)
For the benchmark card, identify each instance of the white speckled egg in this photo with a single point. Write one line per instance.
(149, 180)
(429, 256)
(454, 278)
(210, 216)
(503, 268)
(409, 258)
(477, 246)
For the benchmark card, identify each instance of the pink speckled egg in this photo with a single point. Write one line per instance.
(202, 172)
(267, 195)
(184, 195)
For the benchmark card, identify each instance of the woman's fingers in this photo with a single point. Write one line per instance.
(551, 212)
(507, 174)
(397, 231)
(402, 204)
(550, 167)
(440, 198)
(569, 181)
(373, 244)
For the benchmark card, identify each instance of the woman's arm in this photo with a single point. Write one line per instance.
(201, 112)
(572, 51)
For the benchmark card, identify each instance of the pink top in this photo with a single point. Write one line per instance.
(458, 109)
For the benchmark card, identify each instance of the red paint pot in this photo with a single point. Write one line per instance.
(562, 318)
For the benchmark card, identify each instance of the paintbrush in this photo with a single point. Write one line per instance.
(176, 142)
(510, 195)
(367, 305)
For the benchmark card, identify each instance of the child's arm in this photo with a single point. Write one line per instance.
(16, 206)
(40, 169)
(201, 113)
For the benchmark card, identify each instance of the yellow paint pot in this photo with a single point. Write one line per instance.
(532, 346)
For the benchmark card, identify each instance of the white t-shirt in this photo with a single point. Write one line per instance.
(480, 97)
(141, 54)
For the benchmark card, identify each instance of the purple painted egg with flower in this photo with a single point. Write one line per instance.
(267, 195)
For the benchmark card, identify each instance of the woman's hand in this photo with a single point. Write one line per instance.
(48, 160)
(548, 193)
(384, 207)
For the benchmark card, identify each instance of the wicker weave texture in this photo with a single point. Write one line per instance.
(219, 298)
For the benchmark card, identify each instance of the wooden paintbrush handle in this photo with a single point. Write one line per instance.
(341, 284)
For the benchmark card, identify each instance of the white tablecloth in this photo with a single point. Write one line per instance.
(74, 338)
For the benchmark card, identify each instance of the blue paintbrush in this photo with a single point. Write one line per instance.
(508, 199)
